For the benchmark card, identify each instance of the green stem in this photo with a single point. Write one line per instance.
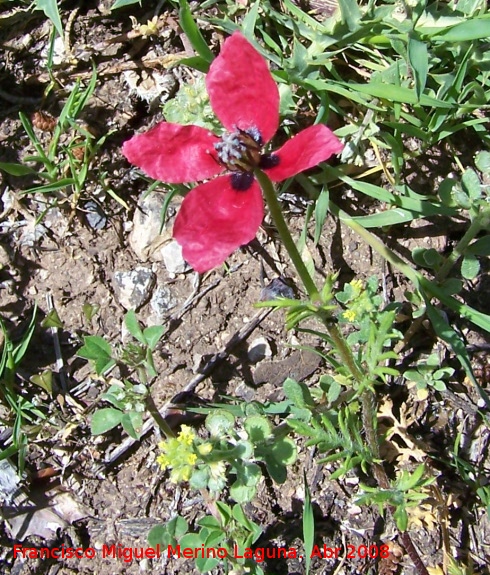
(338, 340)
(287, 240)
(159, 420)
(459, 250)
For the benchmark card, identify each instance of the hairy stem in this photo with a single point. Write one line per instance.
(283, 230)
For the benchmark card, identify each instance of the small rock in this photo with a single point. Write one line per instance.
(162, 301)
(94, 215)
(133, 288)
(278, 287)
(173, 259)
(146, 225)
(4, 257)
(258, 350)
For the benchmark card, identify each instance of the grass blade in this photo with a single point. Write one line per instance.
(308, 527)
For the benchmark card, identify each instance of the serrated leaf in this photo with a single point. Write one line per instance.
(284, 451)
(219, 422)
(105, 419)
(257, 427)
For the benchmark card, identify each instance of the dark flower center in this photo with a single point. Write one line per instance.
(240, 152)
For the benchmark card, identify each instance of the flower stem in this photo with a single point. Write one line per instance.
(287, 240)
(275, 210)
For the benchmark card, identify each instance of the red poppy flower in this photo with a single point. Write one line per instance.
(221, 215)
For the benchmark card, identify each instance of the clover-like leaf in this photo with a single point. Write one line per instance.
(105, 419)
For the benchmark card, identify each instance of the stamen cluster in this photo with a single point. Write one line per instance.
(239, 151)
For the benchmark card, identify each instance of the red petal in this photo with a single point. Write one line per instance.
(241, 89)
(174, 153)
(307, 149)
(215, 219)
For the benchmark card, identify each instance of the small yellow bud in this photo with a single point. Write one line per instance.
(350, 315)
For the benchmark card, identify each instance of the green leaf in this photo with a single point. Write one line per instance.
(419, 61)
(308, 525)
(284, 451)
(50, 8)
(52, 319)
(205, 564)
(480, 247)
(105, 419)
(401, 518)
(474, 29)
(400, 94)
(153, 334)
(132, 423)
(257, 427)
(387, 218)
(471, 184)
(134, 327)
(96, 349)
(298, 393)
(121, 3)
(447, 334)
(17, 169)
(470, 267)
(250, 20)
(482, 162)
(159, 535)
(48, 188)
(193, 33)
(321, 210)
(191, 540)
(43, 380)
(219, 422)
(351, 14)
(452, 286)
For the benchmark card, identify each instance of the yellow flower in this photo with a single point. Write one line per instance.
(150, 28)
(163, 461)
(356, 284)
(191, 458)
(350, 315)
(186, 435)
